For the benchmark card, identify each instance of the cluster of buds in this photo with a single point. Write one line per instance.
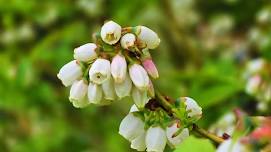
(117, 65)
(152, 129)
(258, 82)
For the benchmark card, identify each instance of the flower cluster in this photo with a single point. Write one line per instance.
(117, 65)
(259, 82)
(152, 130)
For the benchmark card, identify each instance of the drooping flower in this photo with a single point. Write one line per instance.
(171, 130)
(111, 32)
(150, 67)
(231, 146)
(108, 89)
(193, 109)
(119, 68)
(94, 93)
(156, 139)
(131, 127)
(99, 71)
(139, 76)
(85, 52)
(81, 103)
(124, 89)
(139, 142)
(69, 73)
(148, 36)
(127, 40)
(78, 90)
(140, 97)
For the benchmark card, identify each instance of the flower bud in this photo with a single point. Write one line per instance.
(150, 67)
(111, 32)
(253, 84)
(108, 89)
(85, 52)
(124, 89)
(78, 90)
(139, 76)
(119, 68)
(139, 142)
(171, 130)
(148, 36)
(133, 108)
(192, 108)
(99, 71)
(140, 97)
(131, 127)
(127, 40)
(69, 73)
(156, 139)
(94, 93)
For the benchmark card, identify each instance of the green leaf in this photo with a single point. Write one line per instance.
(193, 144)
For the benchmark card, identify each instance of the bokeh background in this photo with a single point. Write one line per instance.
(205, 45)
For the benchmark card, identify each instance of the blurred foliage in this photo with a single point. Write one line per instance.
(205, 45)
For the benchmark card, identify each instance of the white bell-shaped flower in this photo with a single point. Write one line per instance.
(133, 108)
(131, 127)
(171, 130)
(95, 93)
(124, 89)
(85, 52)
(140, 97)
(156, 139)
(78, 90)
(119, 68)
(148, 36)
(139, 76)
(109, 89)
(193, 109)
(127, 40)
(111, 32)
(253, 84)
(99, 71)
(139, 142)
(81, 103)
(231, 146)
(69, 73)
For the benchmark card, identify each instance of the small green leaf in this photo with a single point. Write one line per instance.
(193, 144)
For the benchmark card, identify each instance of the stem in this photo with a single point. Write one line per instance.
(207, 134)
(163, 101)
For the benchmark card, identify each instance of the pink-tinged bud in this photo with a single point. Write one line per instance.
(262, 133)
(69, 73)
(119, 68)
(150, 67)
(139, 76)
(253, 84)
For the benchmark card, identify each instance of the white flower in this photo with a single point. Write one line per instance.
(149, 37)
(81, 103)
(131, 127)
(99, 71)
(255, 65)
(94, 93)
(139, 76)
(133, 108)
(127, 40)
(193, 109)
(111, 32)
(156, 139)
(253, 84)
(171, 130)
(124, 89)
(119, 68)
(139, 142)
(231, 146)
(78, 90)
(69, 73)
(85, 52)
(108, 89)
(140, 97)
